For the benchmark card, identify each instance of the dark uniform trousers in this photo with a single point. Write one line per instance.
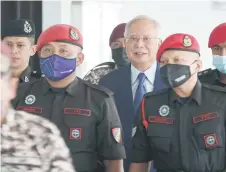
(85, 114)
(182, 134)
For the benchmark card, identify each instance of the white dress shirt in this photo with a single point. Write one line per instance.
(148, 82)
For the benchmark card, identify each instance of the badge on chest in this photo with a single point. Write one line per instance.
(28, 105)
(75, 134)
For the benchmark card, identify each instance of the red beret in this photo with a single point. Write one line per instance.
(218, 35)
(60, 32)
(118, 32)
(179, 41)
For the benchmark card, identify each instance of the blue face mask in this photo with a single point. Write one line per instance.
(56, 67)
(220, 63)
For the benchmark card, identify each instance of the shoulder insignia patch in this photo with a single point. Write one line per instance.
(116, 132)
(99, 88)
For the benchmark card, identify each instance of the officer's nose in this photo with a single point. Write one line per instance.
(14, 49)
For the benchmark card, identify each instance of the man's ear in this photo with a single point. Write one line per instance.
(79, 59)
(159, 42)
(33, 49)
(199, 66)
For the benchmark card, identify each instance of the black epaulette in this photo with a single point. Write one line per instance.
(206, 72)
(99, 88)
(110, 65)
(37, 74)
(156, 93)
(214, 87)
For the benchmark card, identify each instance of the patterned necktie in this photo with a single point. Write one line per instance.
(140, 91)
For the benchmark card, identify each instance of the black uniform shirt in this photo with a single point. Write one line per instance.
(86, 115)
(210, 76)
(28, 75)
(182, 134)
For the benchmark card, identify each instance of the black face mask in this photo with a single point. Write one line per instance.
(174, 75)
(120, 57)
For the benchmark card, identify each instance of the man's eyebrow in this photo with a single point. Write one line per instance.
(165, 57)
(8, 41)
(216, 46)
(20, 42)
(47, 45)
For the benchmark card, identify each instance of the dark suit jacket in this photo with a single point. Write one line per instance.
(119, 82)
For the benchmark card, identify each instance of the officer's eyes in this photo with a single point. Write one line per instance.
(146, 38)
(47, 50)
(163, 62)
(20, 45)
(176, 60)
(63, 51)
(116, 44)
(9, 45)
(217, 48)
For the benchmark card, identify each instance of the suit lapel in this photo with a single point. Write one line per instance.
(125, 86)
(158, 84)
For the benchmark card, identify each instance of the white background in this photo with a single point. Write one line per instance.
(96, 20)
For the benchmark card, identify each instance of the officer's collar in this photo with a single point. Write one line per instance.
(196, 94)
(71, 89)
(25, 75)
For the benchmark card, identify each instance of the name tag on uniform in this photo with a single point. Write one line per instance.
(76, 111)
(205, 117)
(30, 109)
(160, 120)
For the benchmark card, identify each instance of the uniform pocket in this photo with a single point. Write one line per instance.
(209, 135)
(160, 136)
(79, 133)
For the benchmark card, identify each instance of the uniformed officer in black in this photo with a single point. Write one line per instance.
(19, 36)
(86, 114)
(217, 43)
(181, 128)
(117, 45)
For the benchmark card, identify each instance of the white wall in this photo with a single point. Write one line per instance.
(96, 19)
(55, 12)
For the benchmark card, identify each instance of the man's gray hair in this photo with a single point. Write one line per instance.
(141, 17)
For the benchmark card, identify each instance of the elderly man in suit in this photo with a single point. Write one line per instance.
(131, 82)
